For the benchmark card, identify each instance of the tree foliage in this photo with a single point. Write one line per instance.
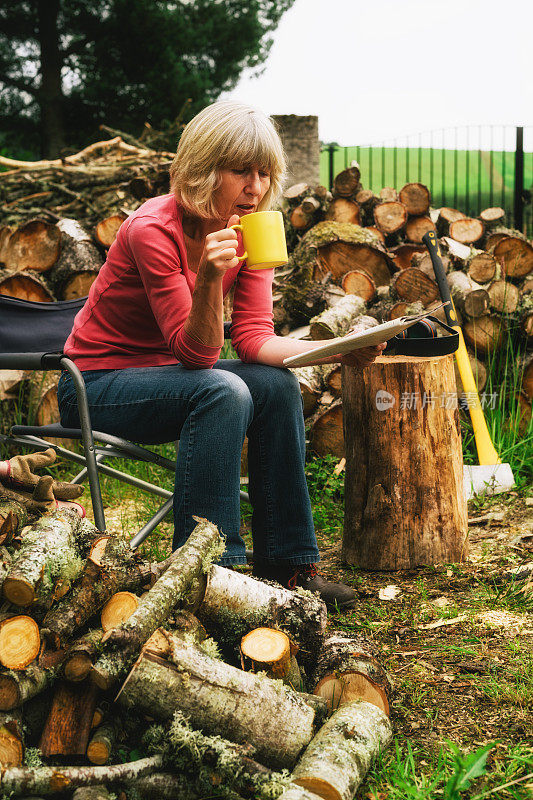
(67, 66)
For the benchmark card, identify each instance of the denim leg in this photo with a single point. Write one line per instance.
(208, 410)
(282, 520)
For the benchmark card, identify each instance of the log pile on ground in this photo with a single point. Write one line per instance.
(102, 652)
(358, 259)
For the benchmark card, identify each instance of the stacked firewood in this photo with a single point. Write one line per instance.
(60, 217)
(220, 679)
(358, 259)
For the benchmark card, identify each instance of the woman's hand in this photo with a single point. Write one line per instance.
(364, 356)
(220, 251)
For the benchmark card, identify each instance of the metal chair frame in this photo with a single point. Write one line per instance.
(94, 455)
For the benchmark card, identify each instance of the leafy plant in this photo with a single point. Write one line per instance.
(467, 768)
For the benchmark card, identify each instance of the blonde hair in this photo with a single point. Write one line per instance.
(223, 136)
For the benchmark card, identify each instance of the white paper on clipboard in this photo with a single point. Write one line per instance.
(354, 341)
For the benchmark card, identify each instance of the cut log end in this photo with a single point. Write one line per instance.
(118, 609)
(20, 642)
(338, 689)
(11, 749)
(268, 649)
(18, 592)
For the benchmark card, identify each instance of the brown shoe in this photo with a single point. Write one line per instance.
(335, 595)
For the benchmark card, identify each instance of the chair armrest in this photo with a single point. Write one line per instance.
(30, 360)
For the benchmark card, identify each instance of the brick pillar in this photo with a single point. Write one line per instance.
(300, 140)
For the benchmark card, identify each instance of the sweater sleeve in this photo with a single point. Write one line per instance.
(158, 261)
(252, 318)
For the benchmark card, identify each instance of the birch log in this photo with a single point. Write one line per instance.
(221, 700)
(51, 781)
(337, 320)
(234, 604)
(123, 643)
(348, 670)
(337, 760)
(47, 551)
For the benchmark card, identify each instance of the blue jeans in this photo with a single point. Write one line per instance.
(211, 411)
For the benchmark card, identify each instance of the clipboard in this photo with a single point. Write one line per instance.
(354, 341)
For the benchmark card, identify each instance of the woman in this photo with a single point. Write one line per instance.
(149, 337)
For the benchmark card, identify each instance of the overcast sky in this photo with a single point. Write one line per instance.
(375, 70)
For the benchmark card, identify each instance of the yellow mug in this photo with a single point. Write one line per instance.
(263, 234)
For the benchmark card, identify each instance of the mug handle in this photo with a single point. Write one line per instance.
(239, 228)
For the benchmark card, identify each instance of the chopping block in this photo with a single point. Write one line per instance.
(405, 504)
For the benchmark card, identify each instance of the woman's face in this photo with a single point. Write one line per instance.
(241, 190)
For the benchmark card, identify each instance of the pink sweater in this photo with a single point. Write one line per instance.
(137, 306)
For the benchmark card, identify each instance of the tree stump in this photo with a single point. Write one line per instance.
(404, 498)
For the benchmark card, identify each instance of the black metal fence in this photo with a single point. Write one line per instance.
(469, 168)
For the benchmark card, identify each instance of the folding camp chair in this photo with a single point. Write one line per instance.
(32, 336)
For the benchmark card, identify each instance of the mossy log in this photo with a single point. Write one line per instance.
(234, 604)
(79, 263)
(102, 743)
(18, 687)
(337, 320)
(221, 700)
(81, 656)
(337, 760)
(123, 643)
(67, 729)
(347, 669)
(50, 781)
(469, 297)
(117, 569)
(47, 552)
(304, 296)
(163, 786)
(13, 517)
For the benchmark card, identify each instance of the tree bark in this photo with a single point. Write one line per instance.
(67, 729)
(81, 656)
(18, 687)
(404, 498)
(13, 517)
(221, 700)
(79, 263)
(51, 94)
(337, 760)
(327, 436)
